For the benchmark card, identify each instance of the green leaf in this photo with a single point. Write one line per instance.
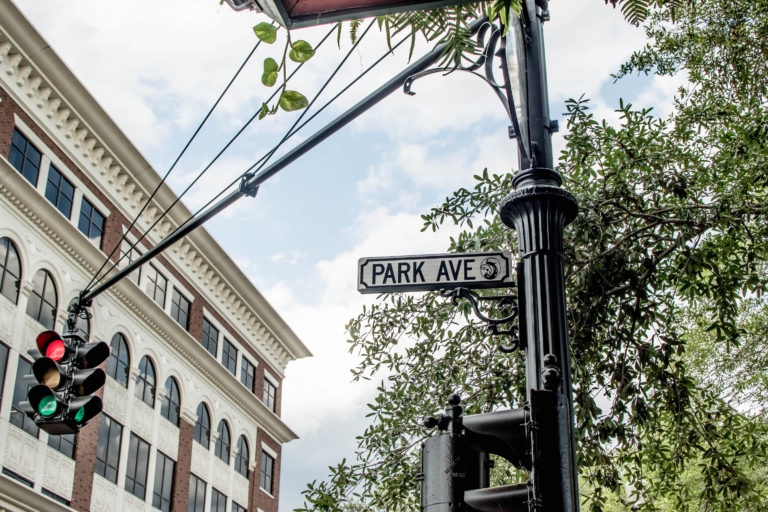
(301, 51)
(266, 32)
(264, 112)
(292, 100)
(269, 76)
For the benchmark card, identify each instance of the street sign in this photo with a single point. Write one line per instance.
(434, 272)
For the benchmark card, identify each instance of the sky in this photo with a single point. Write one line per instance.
(157, 66)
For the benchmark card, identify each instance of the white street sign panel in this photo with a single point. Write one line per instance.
(435, 272)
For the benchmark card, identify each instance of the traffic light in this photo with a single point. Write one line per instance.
(67, 374)
(454, 463)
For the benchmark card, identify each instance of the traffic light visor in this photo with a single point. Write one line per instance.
(43, 401)
(91, 355)
(82, 409)
(50, 344)
(47, 372)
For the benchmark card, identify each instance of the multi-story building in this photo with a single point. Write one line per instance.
(191, 417)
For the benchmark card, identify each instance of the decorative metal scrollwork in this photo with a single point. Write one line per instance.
(492, 41)
(504, 311)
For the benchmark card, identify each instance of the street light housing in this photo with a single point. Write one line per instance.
(307, 13)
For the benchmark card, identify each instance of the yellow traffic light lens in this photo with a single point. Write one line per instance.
(47, 406)
(51, 378)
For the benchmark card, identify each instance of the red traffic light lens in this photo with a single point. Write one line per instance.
(55, 350)
(51, 345)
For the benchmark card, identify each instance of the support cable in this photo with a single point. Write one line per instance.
(250, 183)
(97, 279)
(173, 166)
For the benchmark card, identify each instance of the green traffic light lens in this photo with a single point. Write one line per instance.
(80, 414)
(47, 406)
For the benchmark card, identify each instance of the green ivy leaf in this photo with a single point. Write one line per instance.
(292, 100)
(265, 32)
(301, 51)
(264, 112)
(269, 76)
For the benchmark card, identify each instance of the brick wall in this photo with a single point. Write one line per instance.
(259, 498)
(181, 471)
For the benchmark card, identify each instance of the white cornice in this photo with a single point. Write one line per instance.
(51, 94)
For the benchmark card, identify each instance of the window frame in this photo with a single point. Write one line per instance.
(242, 460)
(115, 362)
(24, 156)
(64, 444)
(177, 310)
(202, 432)
(223, 446)
(206, 338)
(40, 298)
(108, 466)
(227, 358)
(10, 248)
(20, 389)
(56, 189)
(146, 384)
(90, 219)
(152, 277)
(270, 394)
(267, 472)
(162, 490)
(192, 504)
(247, 374)
(135, 471)
(170, 406)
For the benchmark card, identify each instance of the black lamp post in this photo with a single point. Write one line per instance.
(538, 210)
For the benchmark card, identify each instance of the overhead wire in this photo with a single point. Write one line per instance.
(96, 278)
(260, 163)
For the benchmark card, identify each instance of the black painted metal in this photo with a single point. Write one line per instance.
(538, 210)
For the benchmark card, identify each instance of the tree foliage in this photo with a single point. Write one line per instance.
(665, 270)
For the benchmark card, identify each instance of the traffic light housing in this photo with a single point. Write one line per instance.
(67, 374)
(455, 463)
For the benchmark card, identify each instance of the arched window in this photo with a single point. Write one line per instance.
(43, 300)
(119, 360)
(223, 442)
(145, 382)
(202, 433)
(242, 456)
(10, 270)
(171, 404)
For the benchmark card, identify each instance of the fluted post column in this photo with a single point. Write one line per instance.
(538, 210)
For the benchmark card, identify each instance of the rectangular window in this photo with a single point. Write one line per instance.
(64, 443)
(218, 501)
(24, 157)
(180, 308)
(196, 498)
(163, 491)
(18, 477)
(59, 191)
(128, 255)
(270, 394)
(267, 472)
(108, 449)
(54, 496)
(20, 389)
(210, 338)
(236, 507)
(91, 222)
(247, 374)
(229, 356)
(138, 462)
(157, 284)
